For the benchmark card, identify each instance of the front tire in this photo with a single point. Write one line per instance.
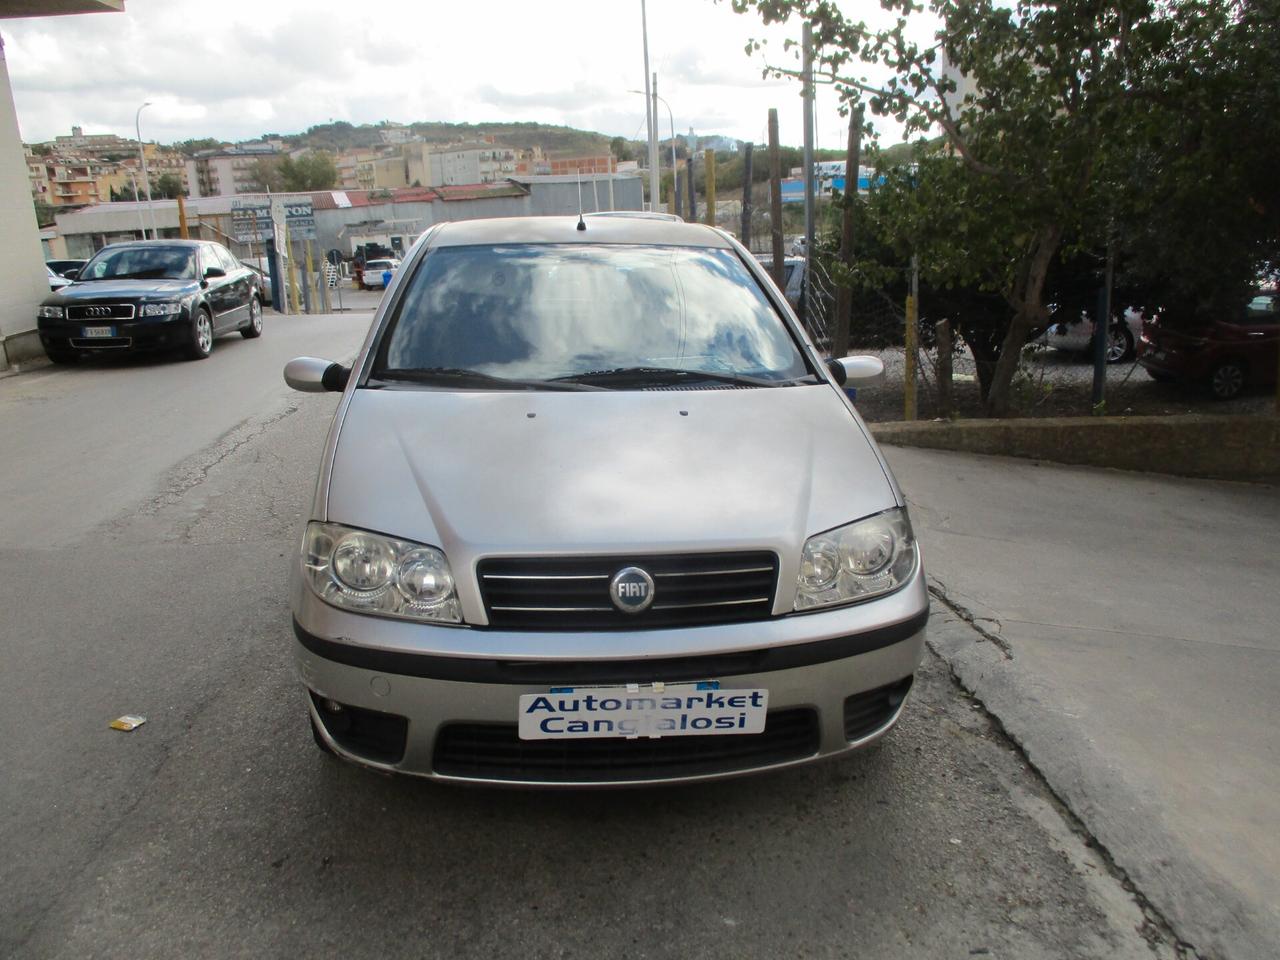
(1226, 382)
(1119, 345)
(201, 344)
(254, 329)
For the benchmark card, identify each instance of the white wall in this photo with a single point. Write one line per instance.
(23, 281)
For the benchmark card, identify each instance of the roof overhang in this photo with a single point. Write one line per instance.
(14, 9)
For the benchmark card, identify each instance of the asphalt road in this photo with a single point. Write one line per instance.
(149, 511)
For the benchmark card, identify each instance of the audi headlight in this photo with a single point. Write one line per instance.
(160, 309)
(857, 561)
(50, 313)
(370, 573)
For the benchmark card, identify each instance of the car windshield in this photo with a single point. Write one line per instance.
(149, 263)
(379, 265)
(538, 312)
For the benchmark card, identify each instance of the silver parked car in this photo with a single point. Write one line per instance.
(593, 511)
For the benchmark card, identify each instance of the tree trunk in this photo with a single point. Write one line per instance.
(1028, 296)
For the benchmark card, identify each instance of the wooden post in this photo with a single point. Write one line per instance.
(745, 234)
(710, 156)
(909, 364)
(945, 347)
(306, 283)
(775, 200)
(693, 196)
(293, 273)
(844, 294)
(182, 218)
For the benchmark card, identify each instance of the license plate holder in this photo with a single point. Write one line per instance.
(631, 711)
(92, 332)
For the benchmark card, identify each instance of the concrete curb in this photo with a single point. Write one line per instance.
(1212, 446)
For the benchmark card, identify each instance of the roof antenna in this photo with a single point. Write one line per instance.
(582, 224)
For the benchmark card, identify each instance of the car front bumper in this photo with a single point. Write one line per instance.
(152, 333)
(441, 702)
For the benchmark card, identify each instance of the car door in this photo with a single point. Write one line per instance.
(1262, 333)
(241, 285)
(218, 290)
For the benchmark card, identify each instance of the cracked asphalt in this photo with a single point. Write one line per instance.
(147, 523)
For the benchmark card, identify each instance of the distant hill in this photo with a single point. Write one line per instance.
(554, 140)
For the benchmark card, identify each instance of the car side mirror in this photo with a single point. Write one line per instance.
(857, 372)
(71, 274)
(313, 375)
(214, 272)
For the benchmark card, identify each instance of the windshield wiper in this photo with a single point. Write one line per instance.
(664, 376)
(462, 376)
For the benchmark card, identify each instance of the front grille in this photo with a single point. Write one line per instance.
(92, 312)
(496, 752)
(572, 593)
(865, 713)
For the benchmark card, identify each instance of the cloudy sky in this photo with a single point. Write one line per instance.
(235, 69)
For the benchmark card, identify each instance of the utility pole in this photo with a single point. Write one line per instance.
(693, 196)
(775, 200)
(909, 365)
(745, 236)
(807, 80)
(844, 293)
(146, 180)
(710, 157)
(182, 220)
(648, 111)
(1101, 338)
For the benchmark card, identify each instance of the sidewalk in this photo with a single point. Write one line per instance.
(1127, 637)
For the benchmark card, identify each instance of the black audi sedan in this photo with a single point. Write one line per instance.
(152, 295)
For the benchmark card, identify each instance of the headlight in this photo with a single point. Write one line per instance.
(857, 561)
(371, 573)
(160, 309)
(50, 313)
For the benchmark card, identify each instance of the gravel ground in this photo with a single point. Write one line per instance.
(1058, 384)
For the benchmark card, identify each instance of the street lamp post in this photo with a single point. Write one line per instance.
(671, 120)
(146, 180)
(648, 109)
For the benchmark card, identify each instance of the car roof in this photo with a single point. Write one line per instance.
(641, 231)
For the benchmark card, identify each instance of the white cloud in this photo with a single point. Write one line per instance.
(241, 68)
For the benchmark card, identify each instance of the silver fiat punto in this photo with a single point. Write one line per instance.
(593, 511)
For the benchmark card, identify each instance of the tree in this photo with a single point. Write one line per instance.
(621, 148)
(266, 175)
(1042, 151)
(44, 213)
(314, 170)
(191, 147)
(168, 186)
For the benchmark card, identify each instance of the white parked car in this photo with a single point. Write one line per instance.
(1077, 336)
(378, 273)
(593, 510)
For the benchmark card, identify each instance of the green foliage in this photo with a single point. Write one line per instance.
(168, 186)
(44, 213)
(1149, 128)
(191, 147)
(314, 170)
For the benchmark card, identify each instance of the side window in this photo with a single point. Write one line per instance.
(1263, 309)
(229, 262)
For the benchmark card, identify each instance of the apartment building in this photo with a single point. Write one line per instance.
(224, 173)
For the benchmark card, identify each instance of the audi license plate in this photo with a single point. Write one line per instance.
(641, 710)
(99, 332)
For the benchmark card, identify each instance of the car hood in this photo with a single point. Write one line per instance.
(505, 473)
(115, 289)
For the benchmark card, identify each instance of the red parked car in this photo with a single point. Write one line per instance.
(1228, 355)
